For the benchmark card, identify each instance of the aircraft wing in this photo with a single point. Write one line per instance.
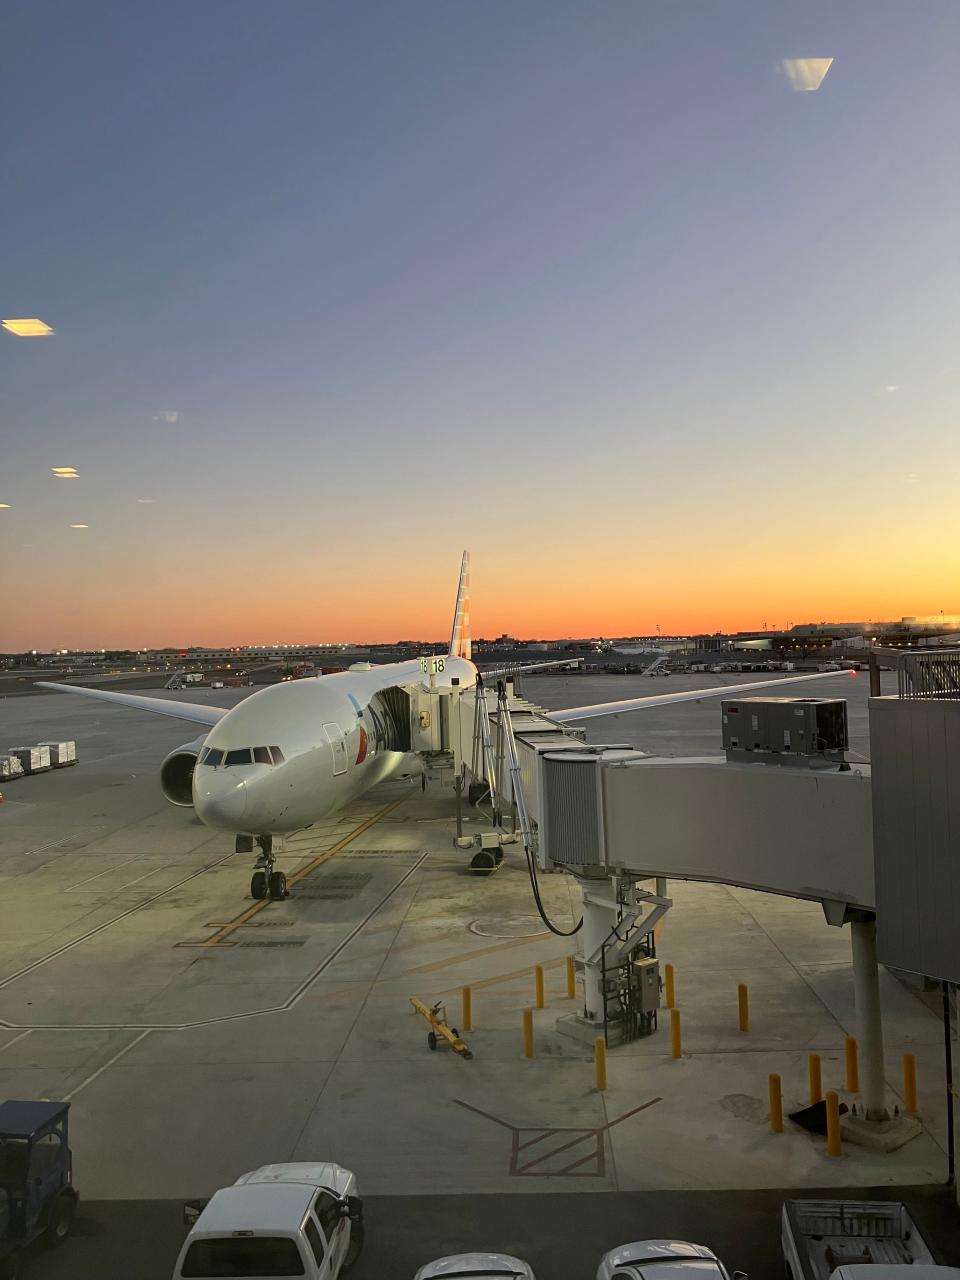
(518, 668)
(573, 715)
(193, 711)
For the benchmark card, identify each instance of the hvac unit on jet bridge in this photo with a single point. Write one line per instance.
(782, 812)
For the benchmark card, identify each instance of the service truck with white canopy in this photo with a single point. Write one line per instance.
(299, 1219)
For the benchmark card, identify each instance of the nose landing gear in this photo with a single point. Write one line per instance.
(266, 880)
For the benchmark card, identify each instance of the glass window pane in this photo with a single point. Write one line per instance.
(327, 1209)
(278, 756)
(313, 1236)
(247, 1256)
(211, 756)
(240, 756)
(261, 755)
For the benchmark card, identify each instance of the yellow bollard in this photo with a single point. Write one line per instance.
(776, 1103)
(466, 1021)
(571, 979)
(833, 1125)
(676, 1047)
(538, 985)
(910, 1084)
(853, 1065)
(743, 1005)
(600, 1061)
(528, 1033)
(816, 1082)
(670, 989)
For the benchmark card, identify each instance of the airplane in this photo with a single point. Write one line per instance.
(293, 753)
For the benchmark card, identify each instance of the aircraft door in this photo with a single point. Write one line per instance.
(338, 742)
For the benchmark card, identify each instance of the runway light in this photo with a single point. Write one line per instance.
(65, 473)
(27, 328)
(79, 526)
(4, 506)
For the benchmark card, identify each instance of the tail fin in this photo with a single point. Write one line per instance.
(460, 635)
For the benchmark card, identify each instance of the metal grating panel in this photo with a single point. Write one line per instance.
(572, 811)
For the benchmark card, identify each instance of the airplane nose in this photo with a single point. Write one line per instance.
(220, 798)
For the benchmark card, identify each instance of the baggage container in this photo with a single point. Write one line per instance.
(10, 767)
(33, 759)
(61, 753)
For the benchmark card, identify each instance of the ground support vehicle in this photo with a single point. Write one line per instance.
(300, 1219)
(37, 1196)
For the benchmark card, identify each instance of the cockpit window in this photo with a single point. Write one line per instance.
(211, 756)
(278, 756)
(240, 756)
(261, 755)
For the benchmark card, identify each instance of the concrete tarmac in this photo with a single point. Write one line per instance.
(196, 1040)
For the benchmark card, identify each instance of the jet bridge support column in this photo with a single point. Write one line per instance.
(866, 988)
(599, 919)
(618, 918)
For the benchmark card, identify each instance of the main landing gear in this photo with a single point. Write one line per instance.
(266, 881)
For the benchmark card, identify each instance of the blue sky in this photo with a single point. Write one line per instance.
(359, 249)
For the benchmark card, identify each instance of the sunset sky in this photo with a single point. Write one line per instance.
(595, 288)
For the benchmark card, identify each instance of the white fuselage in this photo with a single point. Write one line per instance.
(336, 739)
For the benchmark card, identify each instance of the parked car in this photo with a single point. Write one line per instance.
(663, 1260)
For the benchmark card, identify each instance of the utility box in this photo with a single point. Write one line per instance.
(647, 972)
(785, 730)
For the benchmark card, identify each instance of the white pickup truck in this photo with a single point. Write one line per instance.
(280, 1220)
(856, 1240)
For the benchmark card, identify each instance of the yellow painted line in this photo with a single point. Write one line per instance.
(465, 956)
(225, 930)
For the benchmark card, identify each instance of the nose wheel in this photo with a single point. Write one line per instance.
(271, 884)
(266, 881)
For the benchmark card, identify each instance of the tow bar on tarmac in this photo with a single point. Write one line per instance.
(437, 1018)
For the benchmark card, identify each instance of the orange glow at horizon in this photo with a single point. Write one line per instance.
(297, 603)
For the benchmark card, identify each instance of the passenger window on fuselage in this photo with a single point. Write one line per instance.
(261, 755)
(211, 756)
(278, 756)
(240, 756)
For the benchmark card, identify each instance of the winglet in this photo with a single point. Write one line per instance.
(460, 646)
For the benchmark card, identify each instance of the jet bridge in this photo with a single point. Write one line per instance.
(781, 812)
(801, 831)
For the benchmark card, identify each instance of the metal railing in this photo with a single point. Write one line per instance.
(927, 675)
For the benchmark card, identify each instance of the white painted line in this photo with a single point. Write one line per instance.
(107, 1065)
(116, 867)
(92, 933)
(52, 844)
(152, 872)
(291, 1001)
(15, 1039)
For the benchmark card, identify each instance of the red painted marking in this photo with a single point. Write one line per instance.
(362, 753)
(521, 1140)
